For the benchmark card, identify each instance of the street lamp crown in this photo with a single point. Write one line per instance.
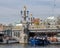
(24, 7)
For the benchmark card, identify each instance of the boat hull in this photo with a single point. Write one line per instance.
(38, 42)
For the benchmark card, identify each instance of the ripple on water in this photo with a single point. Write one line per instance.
(27, 46)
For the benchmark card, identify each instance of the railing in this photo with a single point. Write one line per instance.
(44, 26)
(38, 27)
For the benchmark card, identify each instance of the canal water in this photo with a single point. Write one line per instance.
(27, 46)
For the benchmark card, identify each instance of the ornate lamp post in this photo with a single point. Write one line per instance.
(24, 33)
(24, 13)
(31, 19)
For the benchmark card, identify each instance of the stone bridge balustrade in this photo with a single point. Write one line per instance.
(44, 27)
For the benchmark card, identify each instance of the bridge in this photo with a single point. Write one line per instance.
(19, 34)
(47, 28)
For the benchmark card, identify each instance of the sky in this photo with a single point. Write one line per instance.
(10, 9)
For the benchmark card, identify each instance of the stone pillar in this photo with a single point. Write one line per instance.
(24, 35)
(23, 38)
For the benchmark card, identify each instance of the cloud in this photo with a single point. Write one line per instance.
(8, 15)
(11, 3)
(10, 9)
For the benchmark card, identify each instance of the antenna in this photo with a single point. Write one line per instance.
(53, 9)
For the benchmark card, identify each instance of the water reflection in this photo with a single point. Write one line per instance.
(27, 46)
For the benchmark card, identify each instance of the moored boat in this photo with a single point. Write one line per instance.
(38, 42)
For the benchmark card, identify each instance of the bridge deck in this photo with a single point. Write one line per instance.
(44, 30)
